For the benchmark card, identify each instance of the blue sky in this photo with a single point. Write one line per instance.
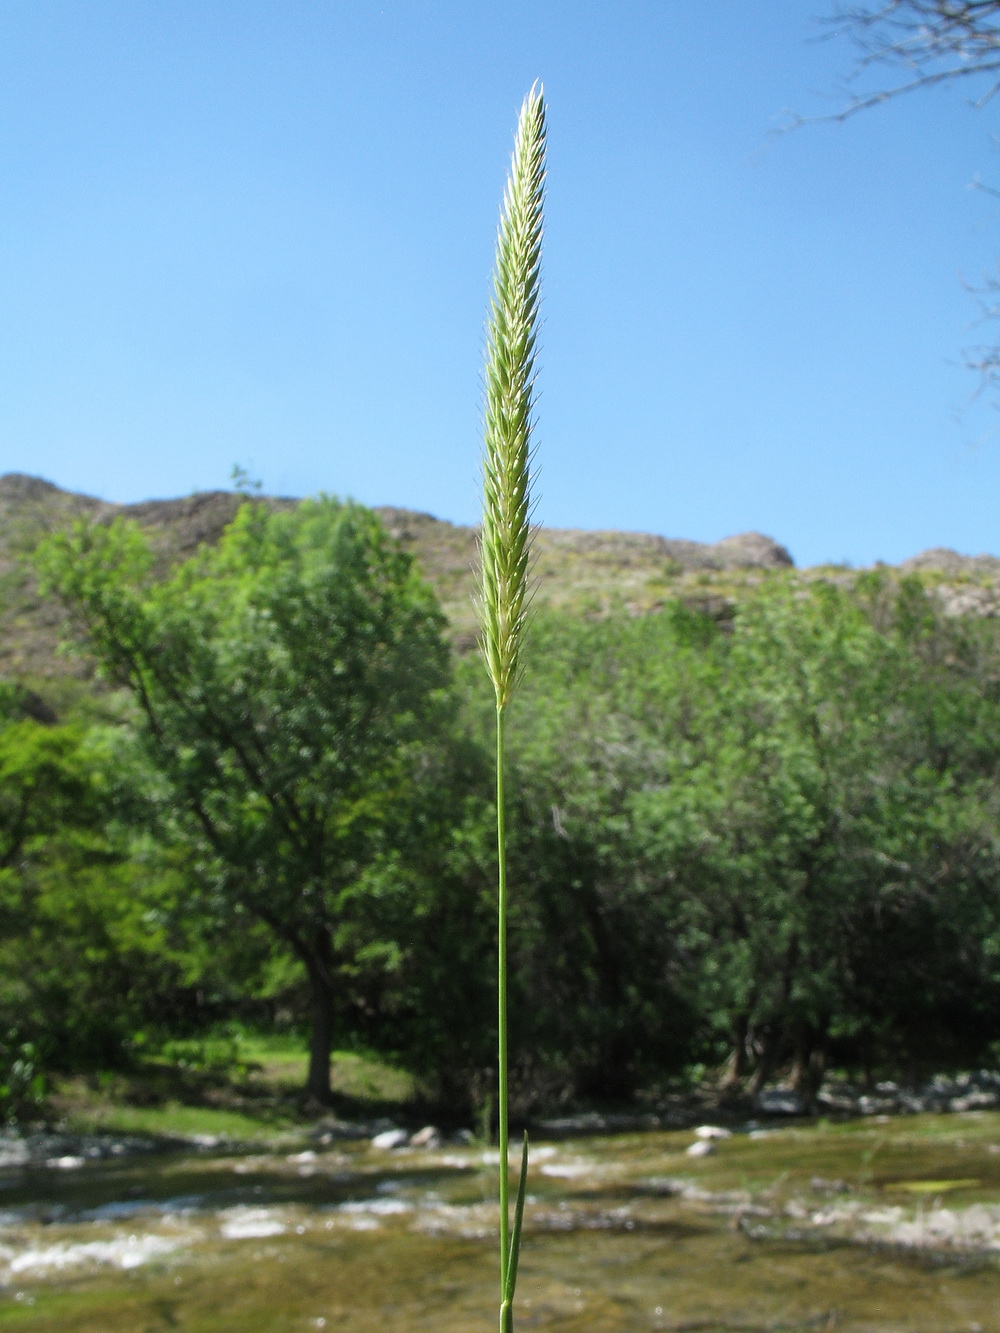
(261, 234)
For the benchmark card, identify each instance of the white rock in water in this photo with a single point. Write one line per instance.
(120, 1252)
(713, 1132)
(780, 1101)
(243, 1223)
(428, 1137)
(703, 1148)
(390, 1138)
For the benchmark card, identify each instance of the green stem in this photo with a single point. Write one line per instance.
(506, 1314)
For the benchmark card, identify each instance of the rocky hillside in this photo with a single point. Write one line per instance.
(591, 572)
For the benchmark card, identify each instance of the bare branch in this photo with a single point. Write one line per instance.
(932, 41)
(925, 43)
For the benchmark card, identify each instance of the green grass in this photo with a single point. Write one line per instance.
(282, 1061)
(175, 1120)
(255, 1096)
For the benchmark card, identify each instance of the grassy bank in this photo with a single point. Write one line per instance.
(247, 1087)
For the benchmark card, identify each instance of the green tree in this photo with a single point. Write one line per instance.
(769, 837)
(286, 681)
(596, 1008)
(77, 953)
(829, 845)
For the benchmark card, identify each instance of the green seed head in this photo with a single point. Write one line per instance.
(505, 539)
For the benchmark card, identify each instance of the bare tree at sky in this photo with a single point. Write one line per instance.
(924, 43)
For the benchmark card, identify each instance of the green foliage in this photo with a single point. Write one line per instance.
(752, 844)
(781, 831)
(597, 1001)
(287, 682)
(22, 1089)
(73, 929)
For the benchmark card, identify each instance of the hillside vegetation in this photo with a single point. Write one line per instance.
(585, 572)
(754, 831)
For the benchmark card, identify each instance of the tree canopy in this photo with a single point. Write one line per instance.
(285, 681)
(759, 841)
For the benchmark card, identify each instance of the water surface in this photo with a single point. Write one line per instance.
(891, 1225)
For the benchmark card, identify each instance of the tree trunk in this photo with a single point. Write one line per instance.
(320, 1040)
(767, 1062)
(314, 949)
(735, 1068)
(800, 1060)
(319, 966)
(809, 1067)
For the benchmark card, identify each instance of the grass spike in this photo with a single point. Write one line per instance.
(505, 546)
(509, 376)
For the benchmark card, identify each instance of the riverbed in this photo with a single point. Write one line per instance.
(873, 1224)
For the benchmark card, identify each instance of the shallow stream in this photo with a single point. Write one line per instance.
(875, 1224)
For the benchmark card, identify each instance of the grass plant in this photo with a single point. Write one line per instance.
(506, 549)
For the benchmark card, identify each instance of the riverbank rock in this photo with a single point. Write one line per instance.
(65, 1151)
(390, 1138)
(428, 1137)
(973, 1090)
(779, 1101)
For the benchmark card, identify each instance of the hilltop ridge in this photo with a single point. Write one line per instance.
(588, 571)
